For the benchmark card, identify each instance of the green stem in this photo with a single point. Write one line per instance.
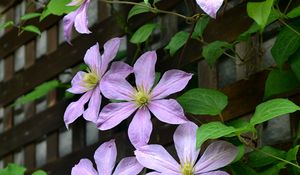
(155, 10)
(268, 154)
(287, 7)
(288, 26)
(278, 158)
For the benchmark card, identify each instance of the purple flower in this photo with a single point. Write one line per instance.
(142, 99)
(217, 155)
(78, 18)
(105, 158)
(87, 83)
(210, 7)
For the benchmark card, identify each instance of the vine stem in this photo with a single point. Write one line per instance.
(278, 158)
(288, 26)
(155, 10)
(268, 154)
(287, 7)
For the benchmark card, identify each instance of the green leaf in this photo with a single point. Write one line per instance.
(295, 63)
(271, 109)
(214, 51)
(137, 9)
(33, 29)
(177, 41)
(39, 172)
(13, 169)
(257, 159)
(6, 25)
(241, 126)
(242, 169)
(294, 12)
(292, 157)
(203, 101)
(274, 15)
(260, 12)
(241, 152)
(143, 33)
(286, 44)
(146, 1)
(38, 92)
(57, 7)
(212, 130)
(30, 16)
(200, 27)
(292, 154)
(280, 81)
(274, 170)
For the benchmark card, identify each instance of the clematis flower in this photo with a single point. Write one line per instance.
(105, 158)
(217, 155)
(143, 98)
(87, 83)
(78, 18)
(210, 7)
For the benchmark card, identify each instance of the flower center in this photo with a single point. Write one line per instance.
(90, 79)
(141, 98)
(187, 169)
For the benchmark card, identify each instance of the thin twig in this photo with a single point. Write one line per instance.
(288, 26)
(287, 7)
(154, 9)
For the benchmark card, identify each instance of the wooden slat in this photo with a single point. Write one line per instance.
(11, 41)
(78, 138)
(32, 129)
(51, 65)
(52, 138)
(243, 96)
(65, 164)
(30, 54)
(52, 146)
(52, 35)
(9, 68)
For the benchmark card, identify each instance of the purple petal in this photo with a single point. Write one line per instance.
(81, 19)
(119, 69)
(92, 112)
(214, 173)
(153, 173)
(210, 7)
(76, 109)
(168, 111)
(116, 87)
(114, 113)
(85, 166)
(171, 82)
(93, 59)
(68, 22)
(105, 157)
(155, 157)
(75, 3)
(185, 143)
(128, 166)
(111, 48)
(78, 84)
(140, 128)
(217, 155)
(144, 71)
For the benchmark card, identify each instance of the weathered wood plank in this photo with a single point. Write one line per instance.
(32, 129)
(51, 65)
(11, 41)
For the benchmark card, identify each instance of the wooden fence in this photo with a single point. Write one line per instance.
(34, 134)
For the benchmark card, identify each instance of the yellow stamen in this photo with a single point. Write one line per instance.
(141, 98)
(90, 79)
(187, 169)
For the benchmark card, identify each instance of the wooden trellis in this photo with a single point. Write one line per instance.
(34, 134)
